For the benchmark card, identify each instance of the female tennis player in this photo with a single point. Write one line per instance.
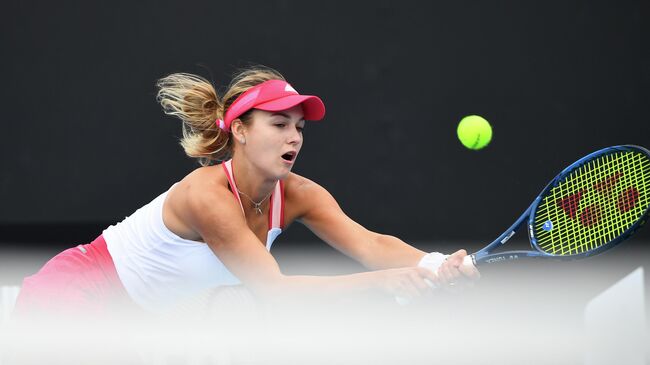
(215, 227)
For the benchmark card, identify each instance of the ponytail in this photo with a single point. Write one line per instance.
(195, 102)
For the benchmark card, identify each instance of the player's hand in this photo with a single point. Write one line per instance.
(454, 274)
(408, 283)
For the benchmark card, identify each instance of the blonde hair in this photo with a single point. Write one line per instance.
(194, 101)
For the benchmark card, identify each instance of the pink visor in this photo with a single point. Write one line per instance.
(273, 96)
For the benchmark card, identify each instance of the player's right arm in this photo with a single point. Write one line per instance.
(209, 209)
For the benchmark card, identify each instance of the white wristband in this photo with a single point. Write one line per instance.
(432, 261)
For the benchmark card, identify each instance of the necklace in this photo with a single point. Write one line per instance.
(256, 206)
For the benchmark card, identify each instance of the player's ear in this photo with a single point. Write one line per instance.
(238, 130)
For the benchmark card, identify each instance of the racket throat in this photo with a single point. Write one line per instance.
(486, 258)
(507, 237)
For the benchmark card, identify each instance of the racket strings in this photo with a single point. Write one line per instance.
(594, 233)
(590, 216)
(594, 204)
(621, 173)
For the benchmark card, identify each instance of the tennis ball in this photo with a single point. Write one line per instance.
(474, 132)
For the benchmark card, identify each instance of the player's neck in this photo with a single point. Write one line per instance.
(251, 182)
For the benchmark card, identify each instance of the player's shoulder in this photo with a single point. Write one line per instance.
(205, 186)
(204, 177)
(301, 190)
(295, 184)
(304, 197)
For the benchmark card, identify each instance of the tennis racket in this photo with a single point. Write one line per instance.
(590, 207)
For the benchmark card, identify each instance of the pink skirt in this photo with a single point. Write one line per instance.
(79, 280)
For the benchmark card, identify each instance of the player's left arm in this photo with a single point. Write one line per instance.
(319, 211)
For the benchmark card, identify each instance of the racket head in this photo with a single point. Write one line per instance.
(593, 204)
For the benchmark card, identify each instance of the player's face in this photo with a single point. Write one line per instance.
(274, 139)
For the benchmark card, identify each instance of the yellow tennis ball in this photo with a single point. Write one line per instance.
(474, 132)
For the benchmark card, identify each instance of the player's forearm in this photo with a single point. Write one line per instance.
(386, 252)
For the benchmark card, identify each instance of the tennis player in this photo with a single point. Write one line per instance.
(215, 227)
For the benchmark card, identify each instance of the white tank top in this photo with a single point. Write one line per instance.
(159, 268)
